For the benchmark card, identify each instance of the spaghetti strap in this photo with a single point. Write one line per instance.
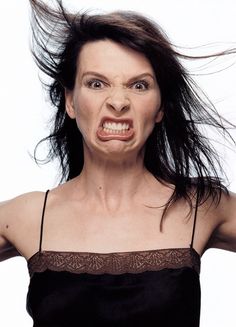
(42, 221)
(195, 218)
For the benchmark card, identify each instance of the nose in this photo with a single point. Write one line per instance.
(118, 99)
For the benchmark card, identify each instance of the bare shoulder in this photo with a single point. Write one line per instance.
(224, 214)
(227, 205)
(19, 220)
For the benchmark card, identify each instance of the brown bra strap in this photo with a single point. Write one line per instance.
(195, 219)
(42, 221)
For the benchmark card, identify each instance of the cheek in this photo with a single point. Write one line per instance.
(155, 107)
(86, 113)
(150, 109)
(87, 103)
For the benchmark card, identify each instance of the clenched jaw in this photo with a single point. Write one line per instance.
(115, 129)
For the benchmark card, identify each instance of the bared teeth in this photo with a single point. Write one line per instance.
(115, 127)
(120, 129)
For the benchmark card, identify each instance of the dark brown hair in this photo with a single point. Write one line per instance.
(176, 152)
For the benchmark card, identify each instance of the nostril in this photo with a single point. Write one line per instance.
(118, 102)
(118, 106)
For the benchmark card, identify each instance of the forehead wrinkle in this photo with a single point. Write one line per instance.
(121, 57)
(118, 79)
(117, 74)
(121, 76)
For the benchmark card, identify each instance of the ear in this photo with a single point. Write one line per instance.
(69, 103)
(159, 115)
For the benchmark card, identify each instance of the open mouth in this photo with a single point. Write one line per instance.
(121, 129)
(117, 128)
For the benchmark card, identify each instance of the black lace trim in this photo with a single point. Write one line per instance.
(114, 263)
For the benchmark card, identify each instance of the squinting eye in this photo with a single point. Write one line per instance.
(140, 85)
(95, 84)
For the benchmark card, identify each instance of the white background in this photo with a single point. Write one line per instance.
(24, 113)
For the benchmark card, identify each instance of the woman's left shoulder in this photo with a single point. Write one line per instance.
(224, 234)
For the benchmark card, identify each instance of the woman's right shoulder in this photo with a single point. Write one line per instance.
(20, 204)
(19, 219)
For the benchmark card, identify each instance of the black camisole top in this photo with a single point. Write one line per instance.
(147, 288)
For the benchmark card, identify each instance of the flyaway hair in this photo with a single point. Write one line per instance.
(177, 153)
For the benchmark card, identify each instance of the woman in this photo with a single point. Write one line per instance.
(119, 242)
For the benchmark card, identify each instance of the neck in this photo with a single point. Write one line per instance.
(114, 184)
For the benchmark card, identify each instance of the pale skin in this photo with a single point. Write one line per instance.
(114, 204)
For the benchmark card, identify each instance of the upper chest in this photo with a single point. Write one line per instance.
(87, 227)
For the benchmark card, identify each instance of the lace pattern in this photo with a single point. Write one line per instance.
(114, 263)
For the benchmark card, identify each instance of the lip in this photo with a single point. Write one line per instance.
(104, 136)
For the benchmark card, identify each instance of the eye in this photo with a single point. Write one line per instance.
(95, 84)
(140, 85)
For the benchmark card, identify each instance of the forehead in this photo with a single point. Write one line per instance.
(109, 57)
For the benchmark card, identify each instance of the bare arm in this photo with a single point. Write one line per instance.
(224, 235)
(7, 250)
(20, 225)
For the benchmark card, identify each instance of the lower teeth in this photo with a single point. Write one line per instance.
(115, 131)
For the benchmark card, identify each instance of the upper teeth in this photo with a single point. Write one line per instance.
(115, 126)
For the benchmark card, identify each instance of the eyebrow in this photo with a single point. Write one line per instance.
(130, 80)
